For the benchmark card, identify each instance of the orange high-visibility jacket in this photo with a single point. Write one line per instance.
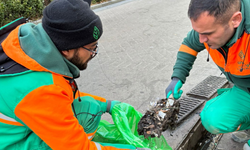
(35, 96)
(232, 59)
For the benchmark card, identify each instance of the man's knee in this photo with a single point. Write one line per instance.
(216, 122)
(210, 123)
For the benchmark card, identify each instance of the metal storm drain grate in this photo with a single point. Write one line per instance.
(188, 105)
(208, 87)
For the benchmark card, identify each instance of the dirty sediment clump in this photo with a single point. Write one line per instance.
(162, 115)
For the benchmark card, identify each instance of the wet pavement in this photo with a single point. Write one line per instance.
(137, 52)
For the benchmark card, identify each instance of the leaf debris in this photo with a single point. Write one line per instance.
(161, 116)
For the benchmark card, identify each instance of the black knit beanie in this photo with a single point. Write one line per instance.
(71, 24)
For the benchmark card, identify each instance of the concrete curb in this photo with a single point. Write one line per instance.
(94, 7)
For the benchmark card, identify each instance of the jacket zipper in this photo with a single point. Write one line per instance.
(225, 55)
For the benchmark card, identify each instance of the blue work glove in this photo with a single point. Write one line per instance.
(110, 105)
(174, 88)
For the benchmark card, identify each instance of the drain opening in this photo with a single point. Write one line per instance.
(199, 138)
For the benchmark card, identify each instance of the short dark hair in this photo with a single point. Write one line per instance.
(222, 10)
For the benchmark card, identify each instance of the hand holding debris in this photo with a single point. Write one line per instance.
(162, 115)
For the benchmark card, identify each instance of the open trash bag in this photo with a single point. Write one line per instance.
(124, 130)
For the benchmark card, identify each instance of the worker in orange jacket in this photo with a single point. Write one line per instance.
(40, 105)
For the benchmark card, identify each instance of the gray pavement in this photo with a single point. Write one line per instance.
(137, 52)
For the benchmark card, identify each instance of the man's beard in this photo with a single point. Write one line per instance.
(77, 61)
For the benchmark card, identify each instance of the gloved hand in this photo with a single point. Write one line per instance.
(174, 88)
(111, 104)
(143, 149)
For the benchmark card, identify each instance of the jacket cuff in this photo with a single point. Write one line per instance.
(108, 105)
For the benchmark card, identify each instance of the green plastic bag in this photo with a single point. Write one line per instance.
(124, 130)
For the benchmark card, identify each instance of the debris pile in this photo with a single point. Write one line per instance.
(162, 115)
